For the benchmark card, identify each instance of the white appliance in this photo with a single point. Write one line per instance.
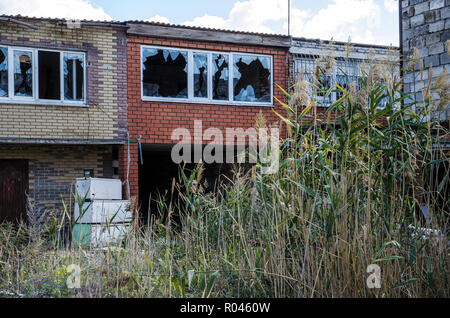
(104, 218)
(99, 189)
(103, 211)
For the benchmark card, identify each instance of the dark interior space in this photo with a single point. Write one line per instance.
(158, 171)
(49, 75)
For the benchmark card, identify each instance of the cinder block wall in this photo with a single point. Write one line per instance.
(155, 121)
(105, 116)
(53, 169)
(426, 26)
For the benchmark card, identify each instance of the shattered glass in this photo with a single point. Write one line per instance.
(251, 78)
(23, 73)
(200, 75)
(3, 72)
(220, 76)
(73, 76)
(164, 73)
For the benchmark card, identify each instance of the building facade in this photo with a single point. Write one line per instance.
(109, 99)
(179, 77)
(63, 108)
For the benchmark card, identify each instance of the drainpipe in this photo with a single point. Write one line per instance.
(289, 50)
(28, 25)
(96, 24)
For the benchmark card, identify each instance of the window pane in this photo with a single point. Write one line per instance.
(309, 68)
(3, 72)
(164, 73)
(251, 78)
(347, 72)
(323, 85)
(23, 73)
(74, 76)
(49, 75)
(200, 75)
(342, 81)
(220, 77)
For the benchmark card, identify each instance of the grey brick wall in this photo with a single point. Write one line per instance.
(426, 26)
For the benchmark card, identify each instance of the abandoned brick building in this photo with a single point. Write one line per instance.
(178, 75)
(119, 90)
(63, 108)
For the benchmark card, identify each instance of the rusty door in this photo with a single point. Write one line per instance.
(13, 189)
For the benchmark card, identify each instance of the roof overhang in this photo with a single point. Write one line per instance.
(186, 33)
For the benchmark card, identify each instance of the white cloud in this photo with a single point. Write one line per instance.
(341, 19)
(344, 18)
(209, 21)
(391, 5)
(158, 18)
(69, 9)
(250, 15)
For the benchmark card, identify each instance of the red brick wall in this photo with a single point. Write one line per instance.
(155, 121)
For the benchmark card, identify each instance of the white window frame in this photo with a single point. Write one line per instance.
(35, 100)
(190, 78)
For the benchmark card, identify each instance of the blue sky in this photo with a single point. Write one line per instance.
(363, 21)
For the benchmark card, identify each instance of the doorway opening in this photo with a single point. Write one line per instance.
(13, 190)
(158, 172)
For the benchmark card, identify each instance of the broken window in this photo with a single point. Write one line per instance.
(40, 74)
(23, 73)
(164, 73)
(200, 75)
(49, 75)
(3, 72)
(194, 75)
(73, 76)
(251, 78)
(220, 77)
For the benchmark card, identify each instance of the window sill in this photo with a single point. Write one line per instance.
(204, 102)
(41, 103)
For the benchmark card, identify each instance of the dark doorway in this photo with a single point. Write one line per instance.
(158, 171)
(13, 190)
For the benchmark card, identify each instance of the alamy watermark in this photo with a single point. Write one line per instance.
(374, 279)
(74, 279)
(263, 146)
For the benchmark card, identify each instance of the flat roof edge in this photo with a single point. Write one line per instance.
(210, 35)
(375, 46)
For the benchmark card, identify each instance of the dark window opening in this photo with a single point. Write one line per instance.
(220, 80)
(200, 75)
(49, 75)
(23, 73)
(165, 73)
(73, 77)
(3, 72)
(252, 79)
